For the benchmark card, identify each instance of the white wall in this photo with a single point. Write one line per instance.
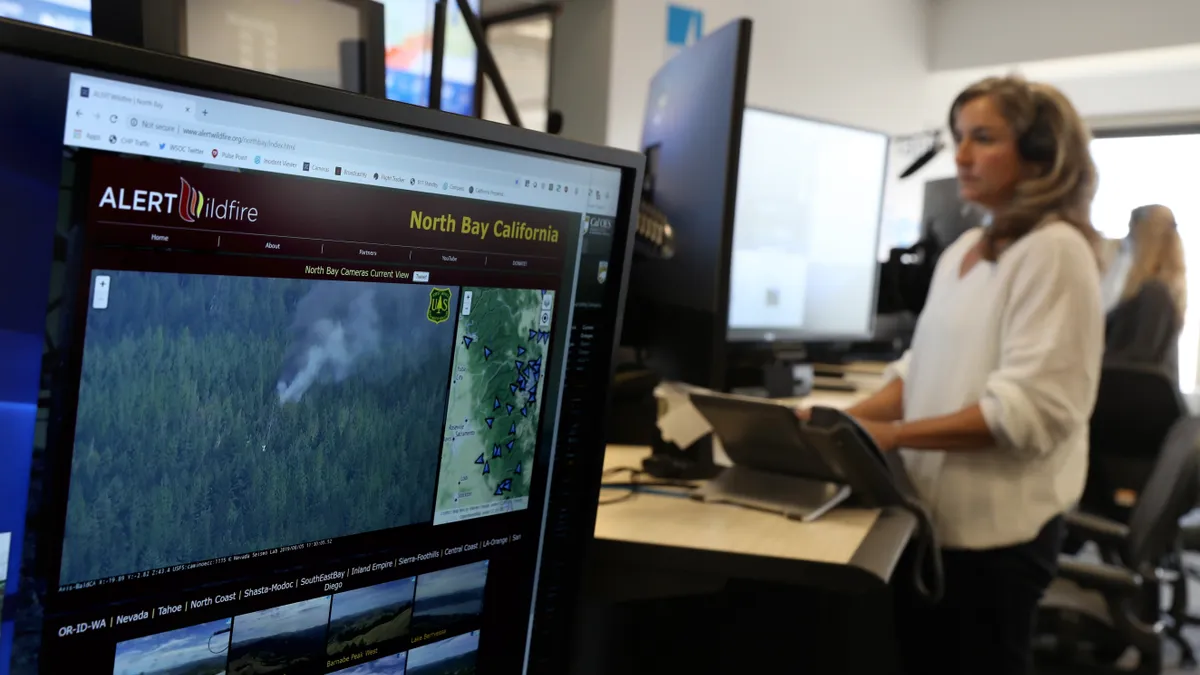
(971, 33)
(859, 62)
(1138, 88)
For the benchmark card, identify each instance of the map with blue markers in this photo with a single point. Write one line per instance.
(492, 415)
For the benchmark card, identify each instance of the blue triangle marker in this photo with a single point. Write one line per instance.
(525, 412)
(487, 352)
(520, 350)
(521, 384)
(498, 492)
(532, 399)
(513, 428)
(527, 373)
(467, 341)
(479, 460)
(509, 408)
(496, 405)
(506, 484)
(489, 421)
(513, 387)
(532, 334)
(487, 468)
(496, 451)
(520, 365)
(510, 444)
(533, 389)
(518, 469)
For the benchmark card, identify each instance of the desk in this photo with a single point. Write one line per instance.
(850, 549)
(677, 585)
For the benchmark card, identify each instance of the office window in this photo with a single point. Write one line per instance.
(1140, 170)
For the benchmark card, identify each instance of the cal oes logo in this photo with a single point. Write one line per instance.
(439, 305)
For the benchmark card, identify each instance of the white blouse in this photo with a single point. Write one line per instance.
(1023, 337)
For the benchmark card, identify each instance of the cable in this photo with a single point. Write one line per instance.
(928, 550)
(634, 486)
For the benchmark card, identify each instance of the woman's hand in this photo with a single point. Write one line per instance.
(885, 434)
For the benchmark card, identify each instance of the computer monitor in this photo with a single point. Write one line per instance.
(70, 15)
(291, 380)
(326, 42)
(810, 197)
(408, 35)
(945, 216)
(335, 43)
(676, 314)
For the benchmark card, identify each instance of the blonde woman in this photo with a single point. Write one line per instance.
(989, 408)
(1144, 322)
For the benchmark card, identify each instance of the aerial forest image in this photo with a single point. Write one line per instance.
(227, 415)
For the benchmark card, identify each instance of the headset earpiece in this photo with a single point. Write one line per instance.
(1038, 144)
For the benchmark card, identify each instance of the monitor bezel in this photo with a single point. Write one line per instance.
(74, 50)
(771, 336)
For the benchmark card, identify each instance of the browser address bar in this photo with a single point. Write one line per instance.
(219, 136)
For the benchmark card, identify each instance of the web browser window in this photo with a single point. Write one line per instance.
(307, 378)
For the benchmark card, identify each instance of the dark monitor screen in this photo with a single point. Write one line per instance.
(677, 307)
(810, 197)
(946, 216)
(286, 386)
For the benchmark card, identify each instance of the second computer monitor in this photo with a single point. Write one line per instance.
(806, 230)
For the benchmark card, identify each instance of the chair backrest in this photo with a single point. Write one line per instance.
(1171, 492)
(1135, 407)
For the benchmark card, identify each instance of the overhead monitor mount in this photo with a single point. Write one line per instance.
(487, 62)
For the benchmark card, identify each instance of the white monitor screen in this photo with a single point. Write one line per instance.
(806, 228)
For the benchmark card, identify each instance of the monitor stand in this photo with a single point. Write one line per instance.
(794, 373)
(797, 498)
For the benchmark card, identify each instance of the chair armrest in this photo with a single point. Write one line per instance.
(1108, 579)
(1096, 528)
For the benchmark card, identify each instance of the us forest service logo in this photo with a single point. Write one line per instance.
(439, 305)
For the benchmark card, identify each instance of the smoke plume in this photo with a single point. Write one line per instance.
(336, 325)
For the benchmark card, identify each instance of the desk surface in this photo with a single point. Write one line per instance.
(863, 544)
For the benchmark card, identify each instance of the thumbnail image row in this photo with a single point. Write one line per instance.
(221, 416)
(364, 631)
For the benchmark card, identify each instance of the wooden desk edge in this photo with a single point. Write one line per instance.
(870, 568)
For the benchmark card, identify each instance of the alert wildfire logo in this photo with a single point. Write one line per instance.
(191, 201)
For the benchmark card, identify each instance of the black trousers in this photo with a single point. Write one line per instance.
(984, 623)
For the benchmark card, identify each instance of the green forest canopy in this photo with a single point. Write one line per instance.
(183, 451)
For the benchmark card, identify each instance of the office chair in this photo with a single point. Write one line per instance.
(1113, 604)
(1135, 407)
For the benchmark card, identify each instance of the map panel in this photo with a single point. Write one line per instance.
(494, 407)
